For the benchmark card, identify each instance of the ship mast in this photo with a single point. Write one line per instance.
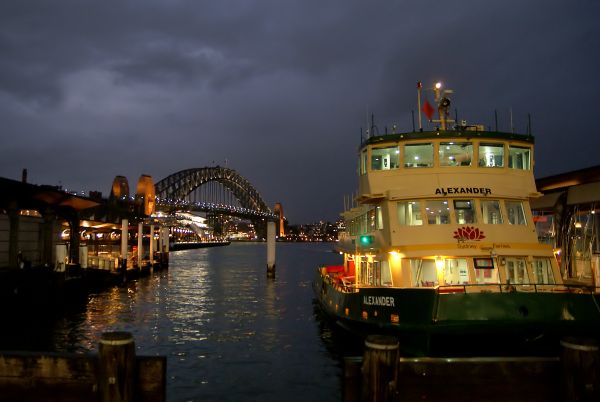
(443, 103)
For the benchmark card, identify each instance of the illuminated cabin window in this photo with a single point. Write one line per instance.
(363, 162)
(386, 274)
(491, 155)
(485, 272)
(519, 158)
(464, 211)
(516, 270)
(375, 219)
(438, 212)
(409, 213)
(363, 277)
(385, 158)
(455, 153)
(490, 211)
(455, 271)
(542, 271)
(544, 226)
(515, 212)
(418, 155)
(422, 272)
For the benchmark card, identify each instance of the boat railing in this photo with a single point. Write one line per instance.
(512, 288)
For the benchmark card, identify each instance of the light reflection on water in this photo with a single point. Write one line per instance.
(229, 332)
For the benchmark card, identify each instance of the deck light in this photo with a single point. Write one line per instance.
(366, 240)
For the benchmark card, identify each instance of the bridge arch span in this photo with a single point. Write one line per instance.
(178, 185)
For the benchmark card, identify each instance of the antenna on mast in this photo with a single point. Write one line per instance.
(419, 86)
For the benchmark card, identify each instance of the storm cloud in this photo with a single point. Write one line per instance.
(279, 90)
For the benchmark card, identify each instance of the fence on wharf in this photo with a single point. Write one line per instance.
(115, 374)
(382, 375)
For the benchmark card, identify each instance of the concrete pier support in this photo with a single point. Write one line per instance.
(151, 249)
(140, 244)
(270, 249)
(124, 237)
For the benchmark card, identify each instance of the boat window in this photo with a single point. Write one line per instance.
(519, 157)
(423, 272)
(455, 153)
(385, 158)
(374, 273)
(542, 271)
(418, 155)
(386, 274)
(409, 213)
(515, 212)
(491, 155)
(455, 271)
(516, 270)
(490, 210)
(485, 272)
(464, 211)
(371, 221)
(438, 212)
(363, 274)
(544, 226)
(363, 162)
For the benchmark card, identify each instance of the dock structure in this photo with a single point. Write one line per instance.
(567, 216)
(384, 376)
(114, 374)
(54, 243)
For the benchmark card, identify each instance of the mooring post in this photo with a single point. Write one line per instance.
(351, 391)
(380, 368)
(116, 367)
(271, 249)
(580, 369)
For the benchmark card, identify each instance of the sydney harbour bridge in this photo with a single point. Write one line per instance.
(216, 190)
(219, 192)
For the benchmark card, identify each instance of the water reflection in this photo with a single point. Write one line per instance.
(229, 332)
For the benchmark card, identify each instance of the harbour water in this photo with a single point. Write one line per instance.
(229, 332)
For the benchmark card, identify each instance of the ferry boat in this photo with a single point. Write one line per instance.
(440, 248)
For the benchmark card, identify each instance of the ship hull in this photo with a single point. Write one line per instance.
(428, 322)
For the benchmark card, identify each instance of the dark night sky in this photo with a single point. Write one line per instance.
(278, 90)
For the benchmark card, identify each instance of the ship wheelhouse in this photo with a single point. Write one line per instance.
(448, 209)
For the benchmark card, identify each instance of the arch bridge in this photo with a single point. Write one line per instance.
(216, 190)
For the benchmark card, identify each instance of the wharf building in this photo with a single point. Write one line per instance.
(54, 235)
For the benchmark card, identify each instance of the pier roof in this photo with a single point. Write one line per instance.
(20, 195)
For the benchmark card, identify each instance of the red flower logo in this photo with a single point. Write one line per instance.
(468, 233)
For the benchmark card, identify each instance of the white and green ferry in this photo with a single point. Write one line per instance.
(441, 249)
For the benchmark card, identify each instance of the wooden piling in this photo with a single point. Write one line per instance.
(380, 368)
(580, 369)
(351, 391)
(116, 367)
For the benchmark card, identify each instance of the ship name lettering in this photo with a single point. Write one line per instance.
(463, 190)
(379, 301)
